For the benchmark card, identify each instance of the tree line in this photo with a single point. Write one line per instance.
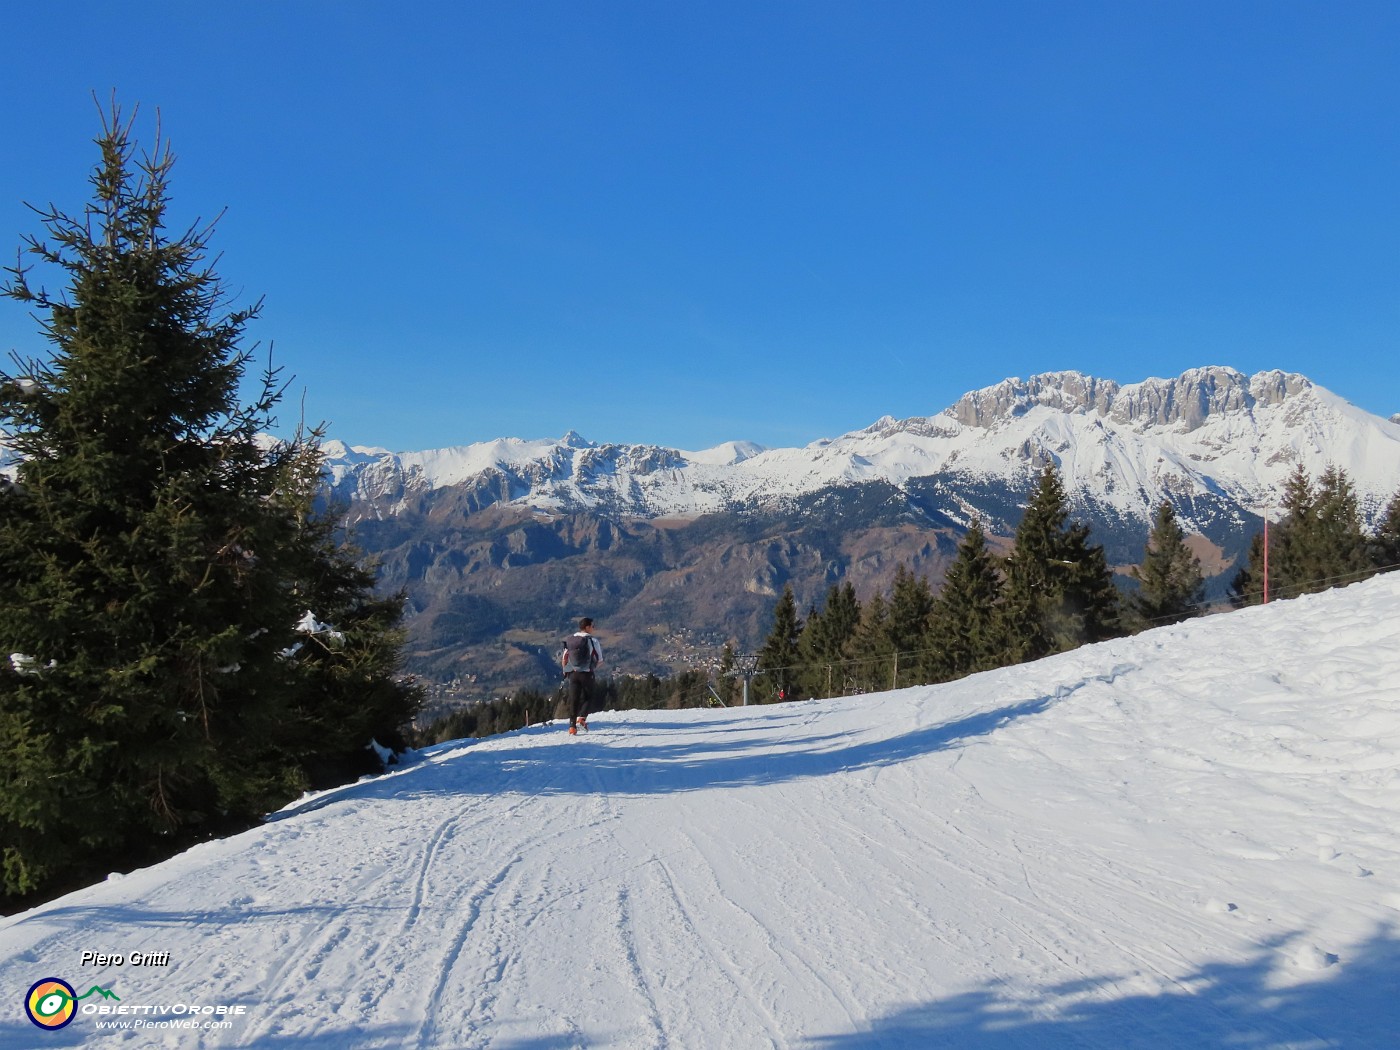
(1052, 592)
(1319, 543)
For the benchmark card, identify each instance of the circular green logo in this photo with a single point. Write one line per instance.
(51, 1003)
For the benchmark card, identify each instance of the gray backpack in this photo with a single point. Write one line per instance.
(580, 648)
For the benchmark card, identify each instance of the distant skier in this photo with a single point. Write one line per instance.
(582, 655)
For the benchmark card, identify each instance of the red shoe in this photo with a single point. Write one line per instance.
(573, 730)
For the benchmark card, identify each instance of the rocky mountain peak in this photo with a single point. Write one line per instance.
(1187, 400)
(1064, 391)
(573, 439)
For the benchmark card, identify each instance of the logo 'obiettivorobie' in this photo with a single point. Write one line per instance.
(52, 1003)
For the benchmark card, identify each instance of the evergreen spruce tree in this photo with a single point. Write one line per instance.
(1091, 594)
(911, 603)
(1385, 545)
(872, 651)
(1035, 575)
(346, 684)
(1320, 542)
(1170, 584)
(156, 557)
(1288, 541)
(964, 631)
(1342, 555)
(1293, 542)
(779, 659)
(1247, 585)
(1059, 592)
(827, 639)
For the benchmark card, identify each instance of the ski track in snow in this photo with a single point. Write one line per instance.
(1187, 838)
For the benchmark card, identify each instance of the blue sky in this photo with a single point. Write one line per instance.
(778, 221)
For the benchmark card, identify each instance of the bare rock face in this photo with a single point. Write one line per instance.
(1063, 391)
(1185, 401)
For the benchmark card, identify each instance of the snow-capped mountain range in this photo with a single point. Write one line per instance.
(1212, 433)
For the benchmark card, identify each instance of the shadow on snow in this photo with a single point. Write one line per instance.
(1241, 1006)
(636, 758)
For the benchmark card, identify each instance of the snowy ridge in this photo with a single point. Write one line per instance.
(1211, 431)
(1182, 839)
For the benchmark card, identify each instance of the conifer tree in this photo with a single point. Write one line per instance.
(1059, 592)
(346, 688)
(911, 602)
(1293, 544)
(1286, 540)
(827, 639)
(779, 658)
(1320, 542)
(1170, 584)
(1247, 585)
(872, 651)
(1092, 594)
(1036, 575)
(157, 557)
(964, 632)
(1385, 545)
(1341, 555)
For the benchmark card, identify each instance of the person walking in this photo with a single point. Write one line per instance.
(582, 656)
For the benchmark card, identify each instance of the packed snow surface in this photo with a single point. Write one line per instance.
(1184, 839)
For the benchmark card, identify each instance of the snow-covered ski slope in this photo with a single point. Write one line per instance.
(1186, 839)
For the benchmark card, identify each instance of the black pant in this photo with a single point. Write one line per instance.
(580, 694)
